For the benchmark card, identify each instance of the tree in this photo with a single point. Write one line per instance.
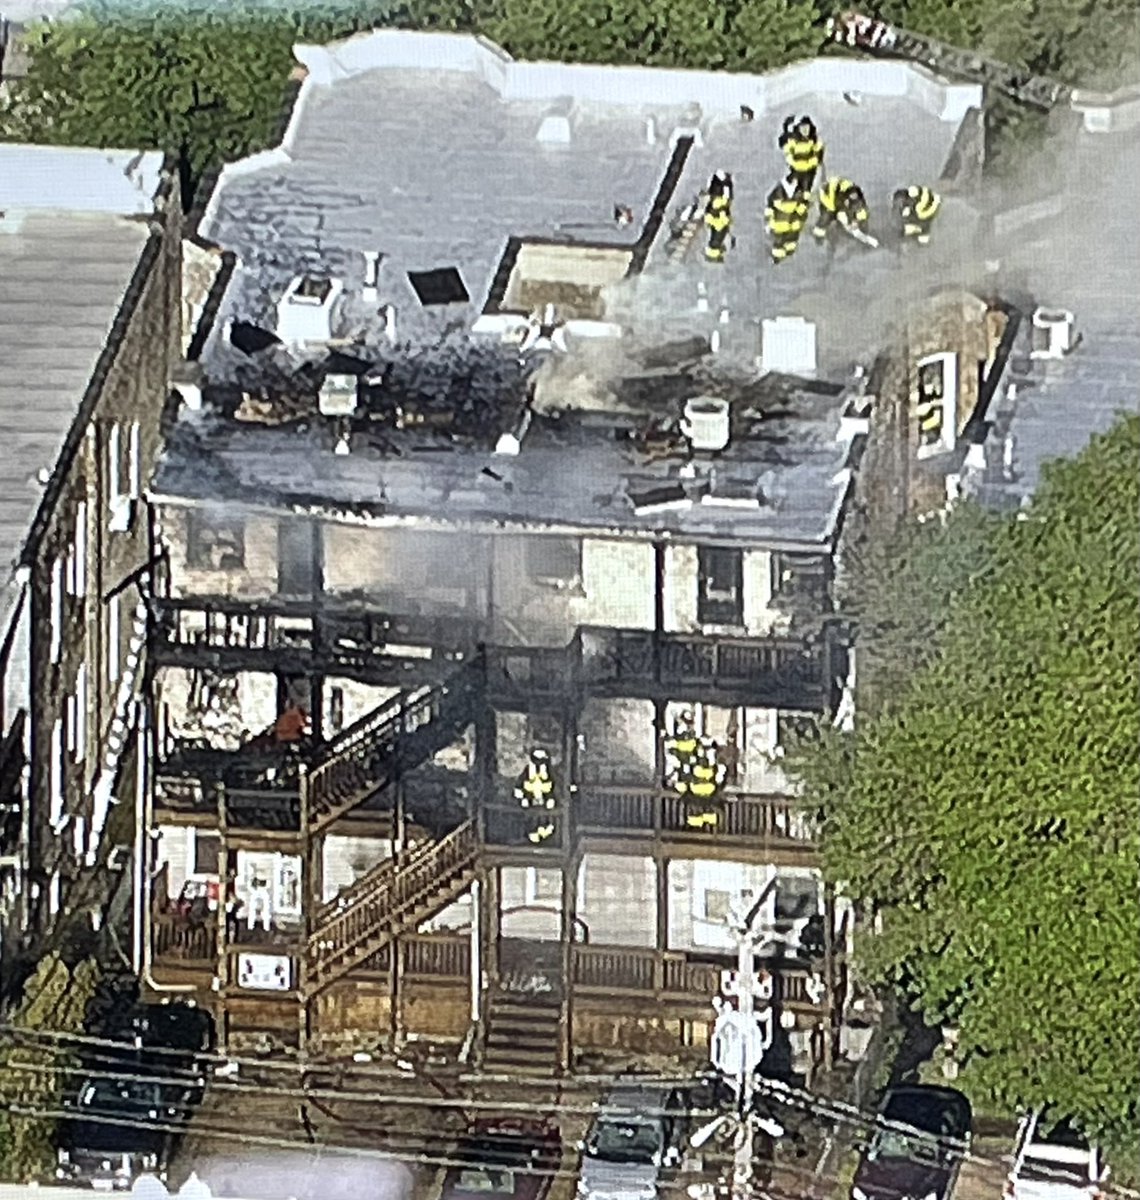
(36, 1069)
(990, 812)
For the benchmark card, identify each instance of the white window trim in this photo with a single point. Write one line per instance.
(56, 609)
(53, 894)
(134, 463)
(114, 649)
(56, 812)
(113, 464)
(79, 836)
(80, 739)
(80, 548)
(949, 438)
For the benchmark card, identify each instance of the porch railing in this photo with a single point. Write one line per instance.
(672, 975)
(174, 937)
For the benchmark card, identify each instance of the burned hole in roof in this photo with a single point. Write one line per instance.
(441, 286)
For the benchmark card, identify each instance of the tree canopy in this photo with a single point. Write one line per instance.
(35, 1070)
(207, 83)
(987, 805)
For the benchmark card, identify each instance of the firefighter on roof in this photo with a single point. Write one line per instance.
(702, 782)
(841, 203)
(718, 216)
(916, 208)
(786, 213)
(535, 793)
(803, 150)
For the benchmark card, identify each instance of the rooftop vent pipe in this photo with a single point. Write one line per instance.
(1052, 333)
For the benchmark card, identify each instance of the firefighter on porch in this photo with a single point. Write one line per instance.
(916, 207)
(681, 748)
(841, 203)
(700, 784)
(803, 150)
(535, 793)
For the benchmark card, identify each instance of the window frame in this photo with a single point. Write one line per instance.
(717, 608)
(198, 557)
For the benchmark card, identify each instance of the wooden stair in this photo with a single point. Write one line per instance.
(394, 738)
(523, 1035)
(391, 899)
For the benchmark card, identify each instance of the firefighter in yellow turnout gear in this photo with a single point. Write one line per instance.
(916, 208)
(700, 783)
(786, 213)
(841, 203)
(681, 748)
(535, 793)
(803, 151)
(718, 216)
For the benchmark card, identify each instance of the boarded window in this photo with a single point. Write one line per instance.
(214, 543)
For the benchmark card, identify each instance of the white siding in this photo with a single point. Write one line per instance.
(345, 859)
(680, 589)
(617, 899)
(758, 614)
(762, 770)
(617, 578)
(618, 741)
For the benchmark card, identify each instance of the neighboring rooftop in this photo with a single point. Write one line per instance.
(1056, 406)
(70, 241)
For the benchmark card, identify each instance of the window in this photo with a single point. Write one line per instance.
(717, 905)
(800, 577)
(56, 609)
(720, 586)
(287, 901)
(556, 561)
(936, 404)
(298, 546)
(543, 885)
(205, 852)
(797, 898)
(214, 543)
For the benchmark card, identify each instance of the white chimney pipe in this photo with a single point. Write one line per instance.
(702, 298)
(724, 316)
(714, 341)
(390, 322)
(650, 131)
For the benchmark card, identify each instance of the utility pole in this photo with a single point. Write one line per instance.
(742, 1036)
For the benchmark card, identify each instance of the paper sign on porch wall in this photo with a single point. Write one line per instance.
(264, 972)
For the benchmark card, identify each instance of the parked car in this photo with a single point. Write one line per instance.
(636, 1138)
(117, 1129)
(1054, 1161)
(511, 1158)
(921, 1136)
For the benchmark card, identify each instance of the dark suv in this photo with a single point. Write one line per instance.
(139, 1094)
(921, 1136)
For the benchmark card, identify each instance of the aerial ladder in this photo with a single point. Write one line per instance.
(861, 32)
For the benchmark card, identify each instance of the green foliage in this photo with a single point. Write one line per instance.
(991, 811)
(34, 1072)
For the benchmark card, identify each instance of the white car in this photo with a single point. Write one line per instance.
(1053, 1161)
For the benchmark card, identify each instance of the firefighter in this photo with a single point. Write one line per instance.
(704, 777)
(718, 216)
(680, 750)
(841, 202)
(916, 208)
(786, 213)
(720, 192)
(535, 793)
(803, 150)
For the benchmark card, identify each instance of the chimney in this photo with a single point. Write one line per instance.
(707, 423)
(337, 396)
